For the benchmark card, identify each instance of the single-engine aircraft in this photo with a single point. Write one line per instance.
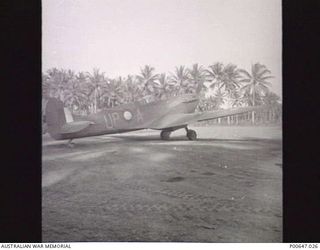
(166, 115)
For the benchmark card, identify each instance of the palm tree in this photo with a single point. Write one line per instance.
(75, 96)
(82, 79)
(94, 83)
(83, 83)
(113, 93)
(148, 80)
(272, 100)
(215, 74)
(132, 91)
(58, 82)
(203, 105)
(236, 98)
(219, 99)
(164, 86)
(230, 78)
(180, 79)
(197, 76)
(236, 101)
(257, 84)
(207, 104)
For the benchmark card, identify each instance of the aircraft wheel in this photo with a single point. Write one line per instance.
(192, 135)
(165, 135)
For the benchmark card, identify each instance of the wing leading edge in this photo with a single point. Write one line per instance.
(177, 120)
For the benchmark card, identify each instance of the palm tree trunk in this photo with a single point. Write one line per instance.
(60, 93)
(253, 117)
(270, 116)
(95, 101)
(253, 104)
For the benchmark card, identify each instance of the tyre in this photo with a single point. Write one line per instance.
(192, 135)
(165, 135)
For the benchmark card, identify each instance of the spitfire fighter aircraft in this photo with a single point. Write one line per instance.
(164, 115)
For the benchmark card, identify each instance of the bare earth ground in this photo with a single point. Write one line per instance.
(225, 187)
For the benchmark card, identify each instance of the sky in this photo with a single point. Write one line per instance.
(121, 36)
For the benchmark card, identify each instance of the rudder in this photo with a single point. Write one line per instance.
(55, 117)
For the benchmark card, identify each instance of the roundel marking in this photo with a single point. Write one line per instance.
(127, 115)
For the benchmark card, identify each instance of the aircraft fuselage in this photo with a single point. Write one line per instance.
(134, 116)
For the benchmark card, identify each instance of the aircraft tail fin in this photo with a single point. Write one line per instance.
(55, 117)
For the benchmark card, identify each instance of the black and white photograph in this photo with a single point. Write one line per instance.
(162, 121)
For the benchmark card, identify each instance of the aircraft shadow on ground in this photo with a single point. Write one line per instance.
(92, 145)
(83, 143)
(183, 138)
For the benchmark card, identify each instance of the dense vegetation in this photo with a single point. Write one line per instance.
(218, 85)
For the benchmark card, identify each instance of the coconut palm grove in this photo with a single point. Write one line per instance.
(220, 86)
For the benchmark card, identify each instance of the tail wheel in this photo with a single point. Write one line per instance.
(192, 135)
(165, 135)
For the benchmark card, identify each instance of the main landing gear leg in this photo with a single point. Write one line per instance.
(70, 144)
(191, 134)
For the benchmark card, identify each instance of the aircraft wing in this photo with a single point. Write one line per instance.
(209, 115)
(176, 120)
(73, 127)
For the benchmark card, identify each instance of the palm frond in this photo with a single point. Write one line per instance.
(263, 72)
(246, 73)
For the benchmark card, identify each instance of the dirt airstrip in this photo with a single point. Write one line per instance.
(224, 187)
